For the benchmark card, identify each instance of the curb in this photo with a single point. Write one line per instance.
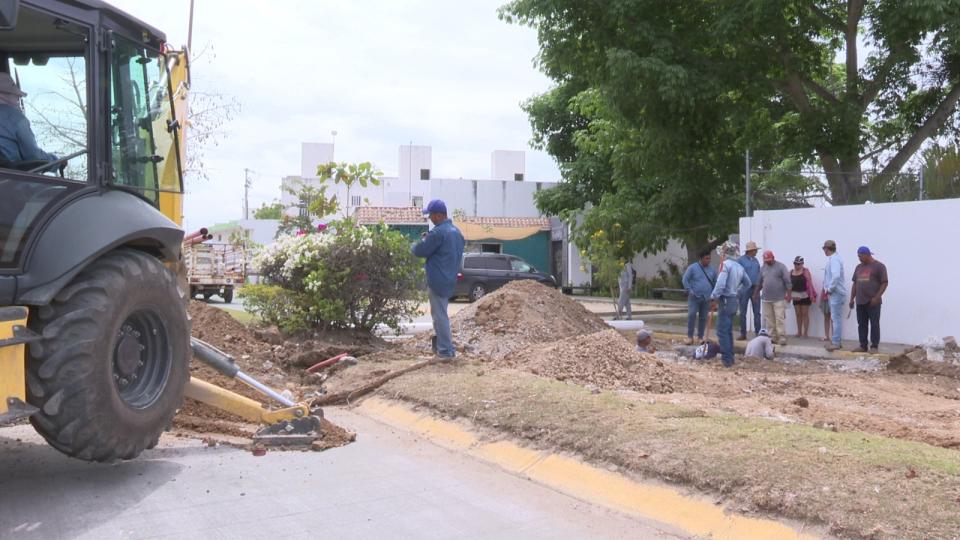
(583, 481)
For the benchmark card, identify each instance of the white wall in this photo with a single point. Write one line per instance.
(915, 240)
(313, 154)
(647, 266)
(504, 164)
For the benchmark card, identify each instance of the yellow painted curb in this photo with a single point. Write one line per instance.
(585, 481)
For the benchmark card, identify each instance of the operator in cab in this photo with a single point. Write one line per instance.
(17, 142)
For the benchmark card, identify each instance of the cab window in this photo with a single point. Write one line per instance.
(143, 129)
(43, 96)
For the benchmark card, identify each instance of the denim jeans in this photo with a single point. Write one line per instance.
(869, 314)
(697, 307)
(726, 311)
(441, 324)
(746, 295)
(837, 302)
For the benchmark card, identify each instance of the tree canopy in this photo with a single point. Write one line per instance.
(655, 102)
(273, 210)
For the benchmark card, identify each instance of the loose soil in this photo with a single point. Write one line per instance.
(538, 365)
(264, 355)
(517, 315)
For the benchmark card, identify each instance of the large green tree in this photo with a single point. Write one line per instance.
(844, 86)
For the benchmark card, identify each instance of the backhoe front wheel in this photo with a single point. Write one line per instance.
(109, 374)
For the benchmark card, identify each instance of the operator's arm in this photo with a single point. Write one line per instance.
(428, 245)
(28, 143)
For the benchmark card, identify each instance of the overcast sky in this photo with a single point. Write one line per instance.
(381, 73)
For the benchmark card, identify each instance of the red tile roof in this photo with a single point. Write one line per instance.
(510, 222)
(391, 215)
(411, 215)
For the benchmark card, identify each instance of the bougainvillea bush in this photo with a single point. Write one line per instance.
(348, 276)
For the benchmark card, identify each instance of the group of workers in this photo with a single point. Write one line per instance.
(768, 287)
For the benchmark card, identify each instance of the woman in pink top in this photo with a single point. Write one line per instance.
(803, 295)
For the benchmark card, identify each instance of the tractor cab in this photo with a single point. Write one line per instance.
(90, 103)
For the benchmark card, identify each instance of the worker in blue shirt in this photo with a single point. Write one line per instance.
(725, 298)
(751, 266)
(442, 247)
(698, 280)
(17, 142)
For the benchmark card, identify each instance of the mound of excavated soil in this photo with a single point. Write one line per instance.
(604, 359)
(255, 356)
(520, 314)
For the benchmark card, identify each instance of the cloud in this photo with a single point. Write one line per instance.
(381, 73)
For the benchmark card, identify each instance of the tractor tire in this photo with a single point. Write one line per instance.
(228, 296)
(110, 371)
(477, 291)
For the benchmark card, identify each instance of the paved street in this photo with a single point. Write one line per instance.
(388, 484)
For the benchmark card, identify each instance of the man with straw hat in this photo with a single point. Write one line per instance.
(725, 298)
(17, 142)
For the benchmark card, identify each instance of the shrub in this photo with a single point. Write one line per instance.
(349, 276)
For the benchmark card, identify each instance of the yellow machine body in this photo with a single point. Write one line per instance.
(12, 376)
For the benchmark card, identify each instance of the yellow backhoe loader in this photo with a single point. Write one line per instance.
(94, 334)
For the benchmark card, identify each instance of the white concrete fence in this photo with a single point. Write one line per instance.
(917, 241)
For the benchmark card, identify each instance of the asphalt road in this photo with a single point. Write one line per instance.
(388, 484)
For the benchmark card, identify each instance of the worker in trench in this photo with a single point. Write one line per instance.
(442, 248)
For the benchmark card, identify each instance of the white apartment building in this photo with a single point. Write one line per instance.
(506, 194)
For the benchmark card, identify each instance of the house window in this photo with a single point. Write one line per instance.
(418, 202)
(424, 174)
(518, 177)
(482, 247)
(354, 200)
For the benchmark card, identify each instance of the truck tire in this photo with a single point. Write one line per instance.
(228, 295)
(110, 371)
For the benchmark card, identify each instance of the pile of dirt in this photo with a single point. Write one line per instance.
(520, 314)
(604, 359)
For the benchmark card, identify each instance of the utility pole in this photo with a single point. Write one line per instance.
(246, 193)
(190, 31)
(921, 182)
(748, 183)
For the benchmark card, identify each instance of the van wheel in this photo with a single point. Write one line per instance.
(477, 292)
(110, 372)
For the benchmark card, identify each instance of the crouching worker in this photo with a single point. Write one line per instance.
(760, 346)
(645, 341)
(442, 248)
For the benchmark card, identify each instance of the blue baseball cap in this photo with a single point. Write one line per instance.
(435, 206)
(864, 250)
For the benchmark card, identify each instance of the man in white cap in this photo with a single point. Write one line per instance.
(17, 142)
(751, 266)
